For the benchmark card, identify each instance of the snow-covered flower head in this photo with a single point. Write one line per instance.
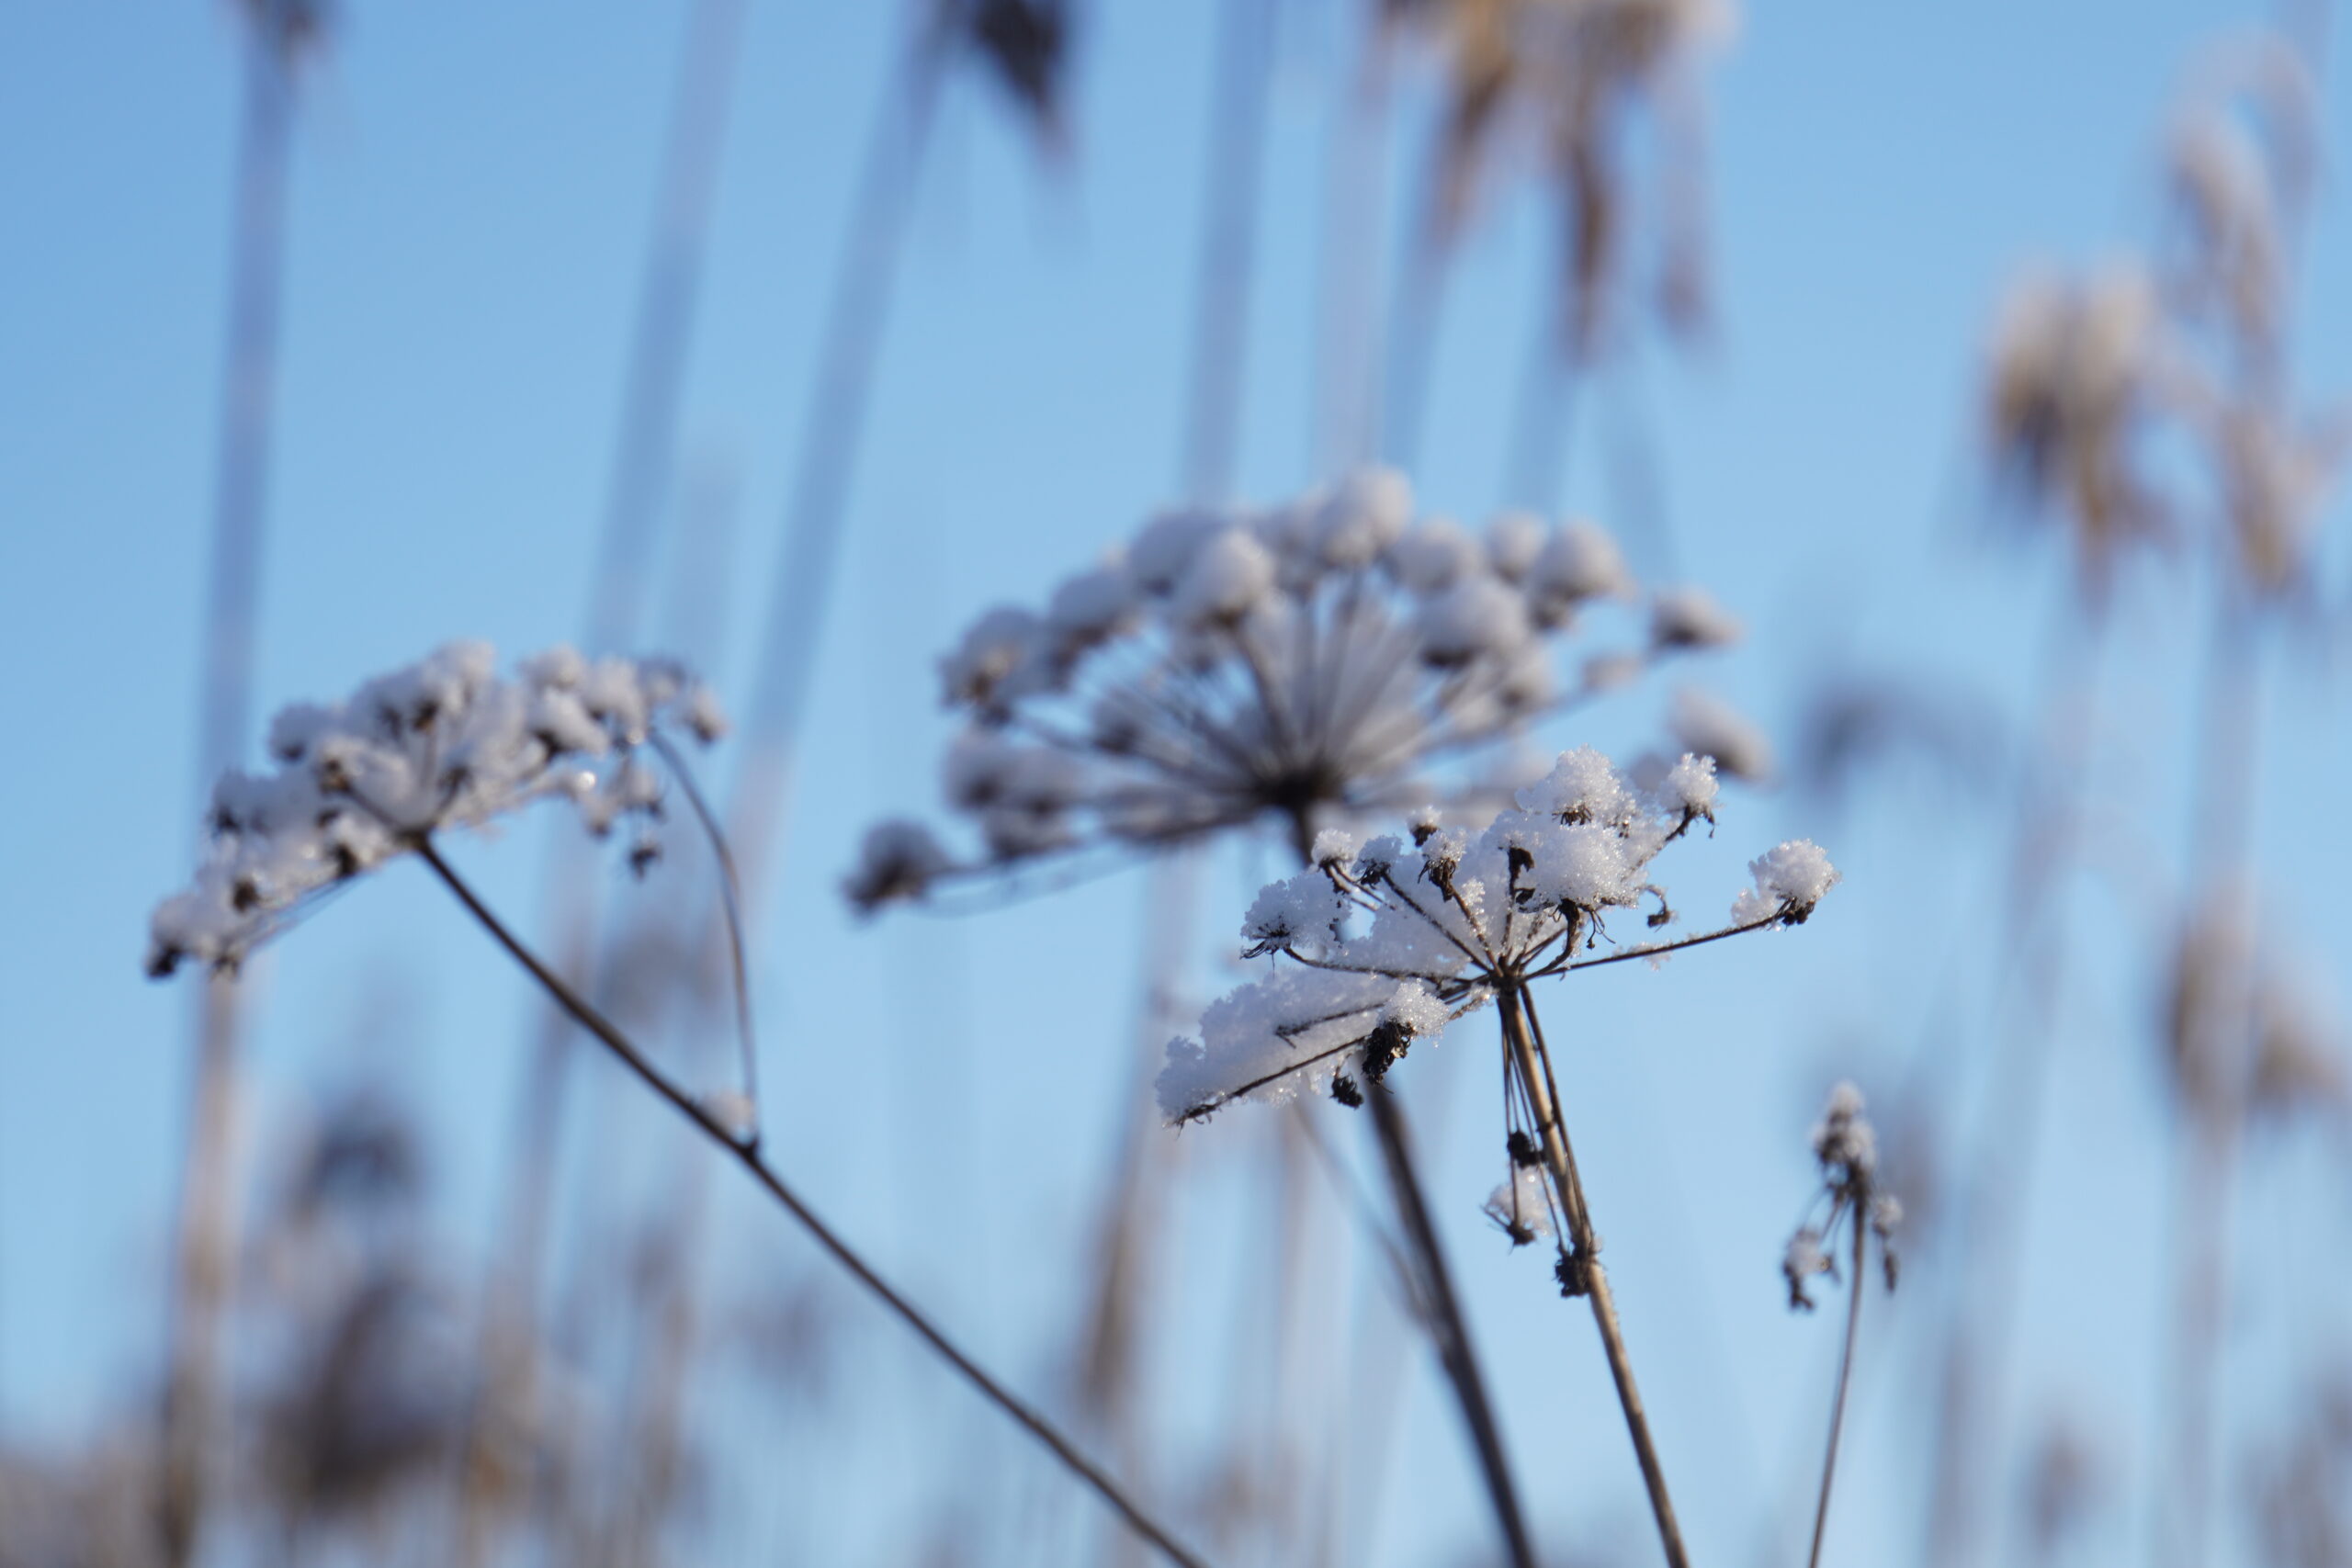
(446, 742)
(1382, 950)
(1845, 1146)
(1307, 663)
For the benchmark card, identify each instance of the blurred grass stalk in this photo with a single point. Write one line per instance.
(637, 497)
(274, 33)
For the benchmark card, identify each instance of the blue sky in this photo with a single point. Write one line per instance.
(470, 191)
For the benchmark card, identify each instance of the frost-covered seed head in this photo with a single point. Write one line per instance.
(442, 743)
(1791, 879)
(1376, 952)
(1519, 1206)
(1333, 849)
(1300, 665)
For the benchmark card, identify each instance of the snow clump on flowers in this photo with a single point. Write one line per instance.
(1307, 663)
(444, 742)
(1791, 879)
(1522, 1206)
(1384, 951)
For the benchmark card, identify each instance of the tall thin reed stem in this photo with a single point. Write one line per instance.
(1445, 1322)
(747, 1155)
(1845, 1375)
(826, 460)
(637, 489)
(1522, 1037)
(250, 378)
(1996, 1183)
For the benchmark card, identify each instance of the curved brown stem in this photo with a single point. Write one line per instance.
(746, 1154)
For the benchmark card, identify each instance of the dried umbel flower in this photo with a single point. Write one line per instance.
(1387, 946)
(1846, 1148)
(1306, 663)
(1569, 76)
(446, 742)
(2072, 390)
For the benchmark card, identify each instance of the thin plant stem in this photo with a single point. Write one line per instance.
(1844, 1376)
(1441, 1313)
(1996, 1183)
(826, 460)
(637, 488)
(730, 896)
(240, 498)
(1229, 244)
(746, 1154)
(1446, 1325)
(1535, 1080)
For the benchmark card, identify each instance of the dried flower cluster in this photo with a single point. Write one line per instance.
(444, 742)
(1846, 1148)
(2092, 377)
(1388, 943)
(1304, 662)
(1569, 76)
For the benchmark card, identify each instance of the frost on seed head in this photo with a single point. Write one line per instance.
(1304, 909)
(1333, 847)
(1375, 948)
(1791, 879)
(1520, 1206)
(442, 743)
(1302, 665)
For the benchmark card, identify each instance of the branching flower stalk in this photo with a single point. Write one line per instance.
(1293, 666)
(1846, 1148)
(1448, 926)
(446, 744)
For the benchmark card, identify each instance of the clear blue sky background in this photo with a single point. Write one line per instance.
(466, 218)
